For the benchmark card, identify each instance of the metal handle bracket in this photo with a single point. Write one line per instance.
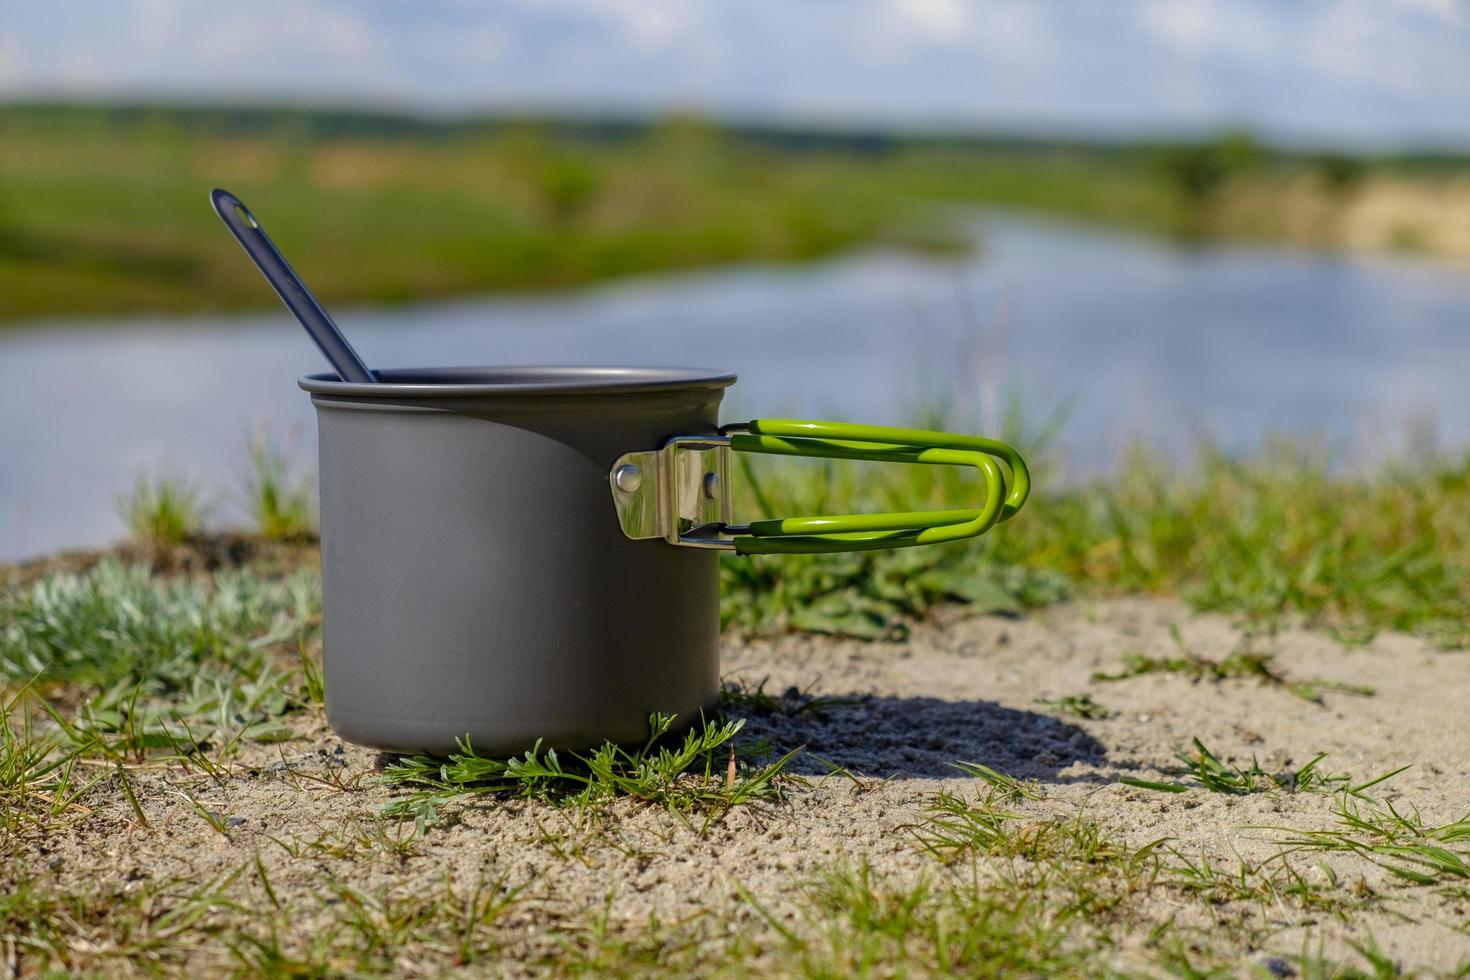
(680, 493)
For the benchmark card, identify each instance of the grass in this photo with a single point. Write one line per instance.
(700, 773)
(1203, 769)
(388, 219)
(115, 669)
(1079, 873)
(854, 919)
(1244, 663)
(735, 695)
(279, 502)
(104, 213)
(162, 510)
(1077, 706)
(1019, 883)
(1400, 841)
(873, 595)
(39, 781)
(128, 697)
(118, 626)
(1279, 536)
(859, 923)
(1014, 882)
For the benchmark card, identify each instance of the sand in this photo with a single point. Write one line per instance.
(960, 688)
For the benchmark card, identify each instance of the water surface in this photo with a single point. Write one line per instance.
(1145, 340)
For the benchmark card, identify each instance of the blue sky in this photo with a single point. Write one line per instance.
(1386, 72)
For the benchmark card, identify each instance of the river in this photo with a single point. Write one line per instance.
(1140, 339)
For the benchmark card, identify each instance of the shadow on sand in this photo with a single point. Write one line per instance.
(921, 737)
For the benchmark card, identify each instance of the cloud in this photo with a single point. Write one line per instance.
(13, 70)
(1384, 70)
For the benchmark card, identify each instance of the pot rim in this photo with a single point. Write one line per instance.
(530, 379)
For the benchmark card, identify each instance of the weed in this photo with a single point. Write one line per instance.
(117, 625)
(1077, 706)
(1400, 842)
(215, 820)
(956, 828)
(1204, 770)
(38, 783)
(872, 595)
(145, 927)
(1313, 965)
(736, 695)
(354, 839)
(685, 777)
(163, 510)
(1009, 787)
(279, 503)
(313, 687)
(861, 923)
(868, 595)
(1269, 884)
(1274, 535)
(1240, 664)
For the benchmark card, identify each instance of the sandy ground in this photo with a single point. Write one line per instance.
(961, 688)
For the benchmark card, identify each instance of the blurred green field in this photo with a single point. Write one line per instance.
(104, 211)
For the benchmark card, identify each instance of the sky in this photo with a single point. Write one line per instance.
(1390, 73)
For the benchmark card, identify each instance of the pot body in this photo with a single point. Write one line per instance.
(475, 582)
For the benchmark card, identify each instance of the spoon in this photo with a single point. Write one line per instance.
(290, 288)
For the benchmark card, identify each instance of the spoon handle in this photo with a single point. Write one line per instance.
(289, 287)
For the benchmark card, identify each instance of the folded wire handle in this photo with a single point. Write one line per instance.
(864, 532)
(687, 500)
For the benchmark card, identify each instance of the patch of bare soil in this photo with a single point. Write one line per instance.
(959, 689)
(200, 554)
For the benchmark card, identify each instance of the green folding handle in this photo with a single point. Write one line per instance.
(869, 532)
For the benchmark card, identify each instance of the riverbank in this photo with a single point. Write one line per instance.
(103, 211)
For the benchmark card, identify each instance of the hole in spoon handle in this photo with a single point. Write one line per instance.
(293, 292)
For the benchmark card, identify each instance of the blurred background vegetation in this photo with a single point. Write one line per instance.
(101, 206)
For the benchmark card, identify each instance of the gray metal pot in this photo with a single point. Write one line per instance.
(519, 553)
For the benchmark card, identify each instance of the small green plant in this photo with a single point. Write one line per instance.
(1278, 535)
(957, 827)
(1399, 841)
(38, 783)
(279, 503)
(1077, 706)
(690, 775)
(1270, 883)
(118, 625)
(1242, 664)
(1206, 771)
(163, 510)
(313, 686)
(1203, 769)
(874, 595)
(858, 922)
(1009, 787)
(738, 696)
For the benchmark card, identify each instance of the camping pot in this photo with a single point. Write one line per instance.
(521, 553)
